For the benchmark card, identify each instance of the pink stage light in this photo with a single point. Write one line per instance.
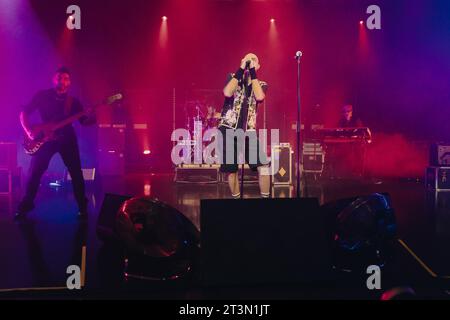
(163, 32)
(146, 152)
(272, 20)
(147, 189)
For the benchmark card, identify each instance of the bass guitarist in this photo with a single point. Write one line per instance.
(55, 105)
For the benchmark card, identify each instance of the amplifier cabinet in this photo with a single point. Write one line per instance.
(197, 173)
(8, 155)
(111, 163)
(5, 181)
(283, 174)
(438, 178)
(313, 163)
(440, 155)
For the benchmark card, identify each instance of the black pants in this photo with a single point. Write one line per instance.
(70, 154)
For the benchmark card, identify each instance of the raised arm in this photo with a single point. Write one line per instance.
(232, 84)
(257, 88)
(230, 87)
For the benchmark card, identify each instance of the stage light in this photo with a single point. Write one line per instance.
(361, 22)
(272, 20)
(55, 184)
(160, 243)
(163, 33)
(146, 152)
(147, 189)
(399, 293)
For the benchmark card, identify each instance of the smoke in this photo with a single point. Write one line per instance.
(395, 156)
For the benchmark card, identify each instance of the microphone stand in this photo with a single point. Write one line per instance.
(298, 126)
(242, 181)
(244, 85)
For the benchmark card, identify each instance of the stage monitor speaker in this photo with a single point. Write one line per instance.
(107, 216)
(363, 230)
(160, 242)
(263, 241)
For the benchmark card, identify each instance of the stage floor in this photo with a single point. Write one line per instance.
(36, 252)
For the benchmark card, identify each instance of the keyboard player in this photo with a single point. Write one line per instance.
(346, 159)
(347, 120)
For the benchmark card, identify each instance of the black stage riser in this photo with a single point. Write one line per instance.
(263, 241)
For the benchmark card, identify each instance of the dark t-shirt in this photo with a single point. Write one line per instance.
(53, 107)
(353, 123)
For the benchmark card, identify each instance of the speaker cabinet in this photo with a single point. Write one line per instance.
(8, 155)
(111, 149)
(438, 178)
(263, 241)
(283, 175)
(107, 216)
(5, 182)
(440, 155)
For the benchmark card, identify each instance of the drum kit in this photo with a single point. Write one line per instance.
(200, 118)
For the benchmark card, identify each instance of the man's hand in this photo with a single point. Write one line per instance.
(89, 117)
(30, 134)
(39, 130)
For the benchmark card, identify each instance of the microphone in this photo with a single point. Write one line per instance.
(298, 55)
(247, 65)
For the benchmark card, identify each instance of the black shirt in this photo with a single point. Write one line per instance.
(353, 123)
(54, 107)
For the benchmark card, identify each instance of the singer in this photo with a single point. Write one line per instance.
(243, 92)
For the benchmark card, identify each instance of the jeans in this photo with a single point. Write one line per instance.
(67, 147)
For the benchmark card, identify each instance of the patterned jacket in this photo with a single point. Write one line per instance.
(231, 111)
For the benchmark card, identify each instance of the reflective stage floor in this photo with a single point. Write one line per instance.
(35, 252)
